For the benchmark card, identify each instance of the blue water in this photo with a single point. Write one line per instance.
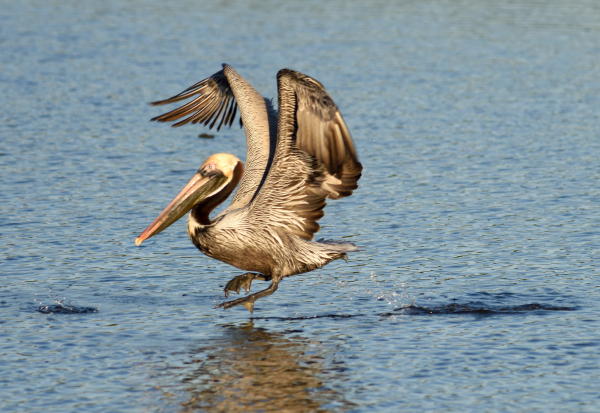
(477, 284)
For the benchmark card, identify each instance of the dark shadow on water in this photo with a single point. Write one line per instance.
(468, 308)
(253, 369)
(475, 308)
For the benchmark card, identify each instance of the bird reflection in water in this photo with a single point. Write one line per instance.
(251, 369)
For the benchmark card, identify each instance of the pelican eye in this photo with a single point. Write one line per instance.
(210, 172)
(326, 100)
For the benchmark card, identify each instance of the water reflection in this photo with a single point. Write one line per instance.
(252, 369)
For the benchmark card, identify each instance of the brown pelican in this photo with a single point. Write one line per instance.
(295, 159)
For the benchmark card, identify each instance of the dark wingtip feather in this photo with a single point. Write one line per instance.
(210, 104)
(158, 102)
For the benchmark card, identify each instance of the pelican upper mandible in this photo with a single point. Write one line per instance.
(296, 158)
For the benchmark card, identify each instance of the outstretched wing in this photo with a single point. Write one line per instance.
(214, 102)
(314, 158)
(322, 133)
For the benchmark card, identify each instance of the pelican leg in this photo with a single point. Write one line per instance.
(243, 281)
(249, 300)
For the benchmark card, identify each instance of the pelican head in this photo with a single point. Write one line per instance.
(210, 185)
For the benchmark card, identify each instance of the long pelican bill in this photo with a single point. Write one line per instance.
(197, 189)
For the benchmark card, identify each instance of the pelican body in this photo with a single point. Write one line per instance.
(296, 158)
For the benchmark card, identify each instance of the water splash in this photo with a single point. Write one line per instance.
(396, 296)
(59, 307)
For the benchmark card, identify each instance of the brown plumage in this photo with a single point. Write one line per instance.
(296, 159)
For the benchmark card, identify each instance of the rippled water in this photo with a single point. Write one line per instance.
(476, 287)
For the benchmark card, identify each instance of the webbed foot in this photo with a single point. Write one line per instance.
(243, 281)
(249, 300)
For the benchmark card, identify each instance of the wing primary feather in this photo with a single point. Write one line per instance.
(230, 111)
(177, 113)
(192, 116)
(215, 104)
(226, 112)
(217, 113)
(190, 91)
(205, 112)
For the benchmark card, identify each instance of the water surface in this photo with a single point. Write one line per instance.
(476, 287)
